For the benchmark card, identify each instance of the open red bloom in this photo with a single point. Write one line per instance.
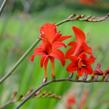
(81, 64)
(49, 47)
(49, 32)
(79, 45)
(80, 54)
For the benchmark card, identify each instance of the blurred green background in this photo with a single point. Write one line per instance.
(19, 27)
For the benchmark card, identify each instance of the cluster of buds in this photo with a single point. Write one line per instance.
(99, 72)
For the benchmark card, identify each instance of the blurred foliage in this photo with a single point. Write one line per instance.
(34, 6)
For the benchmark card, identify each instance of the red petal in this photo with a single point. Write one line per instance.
(52, 65)
(87, 49)
(89, 70)
(73, 44)
(83, 56)
(38, 51)
(57, 37)
(58, 44)
(32, 57)
(48, 31)
(91, 59)
(80, 72)
(44, 48)
(70, 52)
(59, 55)
(71, 68)
(44, 61)
(45, 44)
(74, 59)
(62, 38)
(80, 36)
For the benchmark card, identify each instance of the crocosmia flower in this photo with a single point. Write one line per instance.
(81, 64)
(80, 54)
(51, 41)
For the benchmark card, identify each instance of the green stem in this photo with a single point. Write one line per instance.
(2, 6)
(19, 61)
(63, 21)
(55, 81)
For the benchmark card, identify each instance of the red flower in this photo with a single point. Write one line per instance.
(70, 101)
(81, 64)
(80, 54)
(88, 2)
(49, 47)
(80, 45)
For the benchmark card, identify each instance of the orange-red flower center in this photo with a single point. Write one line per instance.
(81, 63)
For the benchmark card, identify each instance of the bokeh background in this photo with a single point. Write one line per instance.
(19, 27)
